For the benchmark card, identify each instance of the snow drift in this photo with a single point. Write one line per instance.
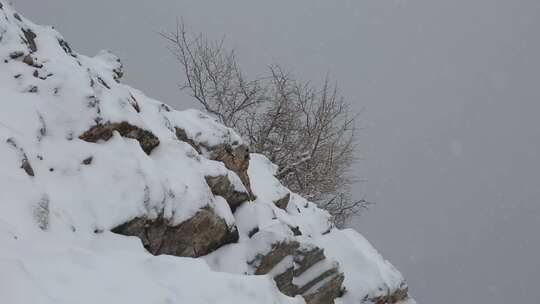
(109, 196)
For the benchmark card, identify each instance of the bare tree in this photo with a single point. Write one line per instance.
(307, 130)
(212, 75)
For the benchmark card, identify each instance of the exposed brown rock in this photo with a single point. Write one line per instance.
(397, 296)
(307, 258)
(330, 281)
(265, 263)
(332, 273)
(182, 135)
(28, 60)
(198, 236)
(222, 186)
(327, 292)
(30, 37)
(323, 289)
(146, 139)
(284, 282)
(235, 159)
(283, 202)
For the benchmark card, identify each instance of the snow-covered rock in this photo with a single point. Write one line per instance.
(109, 196)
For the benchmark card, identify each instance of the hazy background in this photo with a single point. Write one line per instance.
(451, 91)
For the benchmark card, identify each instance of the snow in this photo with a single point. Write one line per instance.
(267, 188)
(113, 269)
(261, 172)
(222, 209)
(367, 273)
(54, 226)
(203, 128)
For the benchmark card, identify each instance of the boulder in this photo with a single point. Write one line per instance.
(198, 236)
(222, 186)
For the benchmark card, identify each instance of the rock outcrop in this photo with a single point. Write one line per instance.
(233, 155)
(182, 135)
(398, 296)
(146, 139)
(94, 212)
(198, 236)
(222, 186)
(236, 159)
(321, 286)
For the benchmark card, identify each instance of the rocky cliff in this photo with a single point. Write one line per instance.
(108, 196)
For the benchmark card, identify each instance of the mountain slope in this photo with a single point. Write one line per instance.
(109, 196)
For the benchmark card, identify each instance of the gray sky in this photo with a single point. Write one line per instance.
(451, 91)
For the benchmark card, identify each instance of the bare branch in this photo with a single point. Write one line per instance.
(309, 131)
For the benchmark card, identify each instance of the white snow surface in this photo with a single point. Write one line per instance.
(367, 273)
(55, 244)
